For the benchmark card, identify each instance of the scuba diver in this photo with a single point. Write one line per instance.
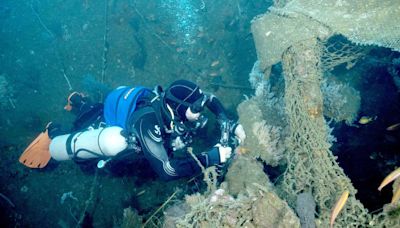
(154, 123)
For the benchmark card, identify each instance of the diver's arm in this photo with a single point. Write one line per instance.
(216, 107)
(231, 126)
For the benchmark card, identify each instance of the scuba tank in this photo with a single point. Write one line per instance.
(88, 144)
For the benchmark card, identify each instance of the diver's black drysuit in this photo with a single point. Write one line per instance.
(149, 125)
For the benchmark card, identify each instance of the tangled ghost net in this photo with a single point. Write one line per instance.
(297, 33)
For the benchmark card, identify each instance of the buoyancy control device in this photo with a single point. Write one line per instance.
(121, 103)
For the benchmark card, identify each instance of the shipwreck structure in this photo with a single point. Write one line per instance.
(298, 34)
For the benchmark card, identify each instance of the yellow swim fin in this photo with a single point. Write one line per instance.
(37, 154)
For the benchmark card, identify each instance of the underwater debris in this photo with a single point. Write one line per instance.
(245, 199)
(311, 165)
(7, 200)
(67, 195)
(260, 208)
(36, 13)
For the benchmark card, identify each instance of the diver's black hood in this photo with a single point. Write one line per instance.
(180, 95)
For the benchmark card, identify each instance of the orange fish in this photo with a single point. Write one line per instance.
(338, 206)
(396, 195)
(391, 177)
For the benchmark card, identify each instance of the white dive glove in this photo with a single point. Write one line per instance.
(224, 152)
(239, 133)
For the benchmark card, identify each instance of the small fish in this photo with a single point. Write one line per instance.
(391, 177)
(215, 63)
(393, 127)
(141, 193)
(366, 119)
(338, 206)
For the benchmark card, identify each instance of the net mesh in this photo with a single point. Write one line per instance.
(311, 165)
(338, 50)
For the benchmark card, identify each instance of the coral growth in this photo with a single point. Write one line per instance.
(263, 141)
(130, 218)
(263, 118)
(269, 138)
(341, 101)
(269, 95)
(256, 79)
